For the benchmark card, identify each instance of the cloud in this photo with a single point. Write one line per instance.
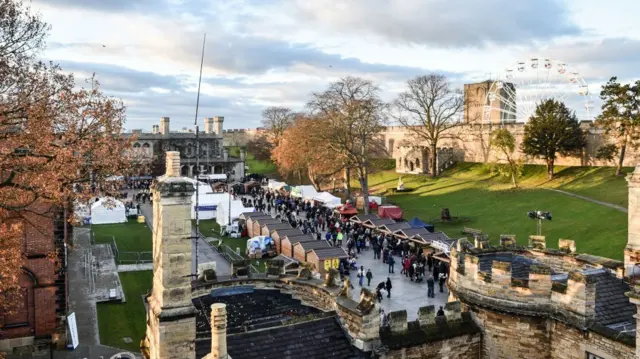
(124, 80)
(442, 23)
(103, 5)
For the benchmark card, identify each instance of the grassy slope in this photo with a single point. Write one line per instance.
(489, 203)
(130, 237)
(120, 320)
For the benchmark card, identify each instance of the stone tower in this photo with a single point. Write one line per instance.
(171, 322)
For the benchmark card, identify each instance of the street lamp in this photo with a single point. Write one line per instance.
(229, 192)
(540, 216)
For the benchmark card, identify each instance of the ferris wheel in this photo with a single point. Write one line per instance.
(514, 95)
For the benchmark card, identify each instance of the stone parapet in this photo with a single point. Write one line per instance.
(520, 280)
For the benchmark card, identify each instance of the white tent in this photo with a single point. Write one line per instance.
(306, 192)
(214, 177)
(108, 210)
(328, 199)
(207, 200)
(222, 212)
(275, 185)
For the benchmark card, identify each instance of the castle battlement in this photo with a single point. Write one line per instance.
(530, 280)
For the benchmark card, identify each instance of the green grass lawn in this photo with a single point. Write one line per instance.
(469, 190)
(260, 167)
(130, 237)
(119, 320)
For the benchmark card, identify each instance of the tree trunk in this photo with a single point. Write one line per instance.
(623, 150)
(513, 178)
(434, 161)
(364, 184)
(550, 169)
(314, 181)
(347, 182)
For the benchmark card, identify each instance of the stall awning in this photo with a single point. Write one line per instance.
(417, 223)
(393, 212)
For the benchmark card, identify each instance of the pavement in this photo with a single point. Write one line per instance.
(405, 294)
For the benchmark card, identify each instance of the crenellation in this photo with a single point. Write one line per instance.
(427, 315)
(453, 311)
(567, 245)
(508, 240)
(501, 273)
(398, 321)
(537, 242)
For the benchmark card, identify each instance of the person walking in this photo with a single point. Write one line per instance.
(391, 262)
(430, 286)
(361, 275)
(443, 279)
(388, 287)
(369, 277)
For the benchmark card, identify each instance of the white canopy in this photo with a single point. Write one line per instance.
(306, 192)
(108, 210)
(328, 199)
(222, 212)
(214, 176)
(207, 200)
(275, 185)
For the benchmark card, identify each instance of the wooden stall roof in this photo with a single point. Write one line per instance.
(299, 238)
(331, 252)
(314, 245)
(390, 228)
(410, 232)
(274, 227)
(282, 232)
(377, 222)
(262, 221)
(435, 236)
(247, 215)
(363, 217)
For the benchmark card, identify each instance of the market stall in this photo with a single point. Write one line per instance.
(390, 228)
(287, 243)
(324, 259)
(108, 210)
(300, 249)
(417, 223)
(374, 223)
(388, 211)
(267, 229)
(304, 192)
(250, 221)
(328, 200)
(363, 217)
(222, 212)
(279, 234)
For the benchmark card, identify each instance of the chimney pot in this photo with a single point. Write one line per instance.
(173, 164)
(219, 331)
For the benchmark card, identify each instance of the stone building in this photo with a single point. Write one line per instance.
(214, 157)
(39, 317)
(506, 301)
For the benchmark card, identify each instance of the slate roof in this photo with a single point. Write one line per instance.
(410, 232)
(331, 252)
(363, 217)
(299, 238)
(273, 227)
(612, 306)
(394, 226)
(377, 222)
(258, 327)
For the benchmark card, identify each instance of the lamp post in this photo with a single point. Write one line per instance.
(540, 216)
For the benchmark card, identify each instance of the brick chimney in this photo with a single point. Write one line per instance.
(218, 332)
(208, 125)
(164, 126)
(217, 124)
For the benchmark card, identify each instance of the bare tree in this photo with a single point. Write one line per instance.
(428, 108)
(355, 117)
(276, 120)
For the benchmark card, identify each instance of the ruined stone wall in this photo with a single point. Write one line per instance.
(570, 343)
(470, 143)
(464, 346)
(512, 336)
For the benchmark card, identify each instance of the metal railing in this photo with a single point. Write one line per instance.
(230, 254)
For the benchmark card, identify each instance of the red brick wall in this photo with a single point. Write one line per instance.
(38, 231)
(45, 310)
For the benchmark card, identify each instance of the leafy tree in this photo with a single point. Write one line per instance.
(276, 120)
(57, 143)
(552, 130)
(504, 144)
(620, 117)
(260, 148)
(607, 153)
(354, 115)
(428, 108)
(301, 150)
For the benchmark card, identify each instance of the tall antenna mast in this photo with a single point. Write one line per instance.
(197, 236)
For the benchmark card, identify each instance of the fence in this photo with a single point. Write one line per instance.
(129, 257)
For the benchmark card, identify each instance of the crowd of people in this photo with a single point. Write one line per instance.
(327, 224)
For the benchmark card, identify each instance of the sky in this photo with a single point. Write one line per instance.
(262, 53)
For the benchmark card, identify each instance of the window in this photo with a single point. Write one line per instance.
(593, 356)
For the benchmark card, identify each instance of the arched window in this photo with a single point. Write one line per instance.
(406, 162)
(418, 162)
(146, 145)
(136, 145)
(391, 143)
(204, 149)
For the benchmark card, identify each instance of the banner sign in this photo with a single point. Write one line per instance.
(207, 208)
(73, 329)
